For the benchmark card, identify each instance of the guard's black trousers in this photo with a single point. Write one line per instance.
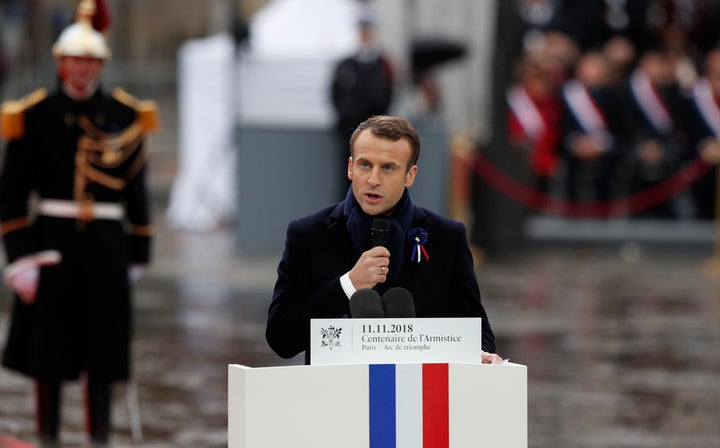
(97, 411)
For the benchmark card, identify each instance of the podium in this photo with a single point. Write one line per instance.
(408, 405)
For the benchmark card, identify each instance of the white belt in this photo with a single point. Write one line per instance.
(73, 209)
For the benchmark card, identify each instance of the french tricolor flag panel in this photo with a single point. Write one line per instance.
(409, 406)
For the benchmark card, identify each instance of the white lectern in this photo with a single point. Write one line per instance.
(452, 405)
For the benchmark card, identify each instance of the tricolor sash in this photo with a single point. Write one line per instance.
(583, 107)
(527, 113)
(651, 105)
(706, 104)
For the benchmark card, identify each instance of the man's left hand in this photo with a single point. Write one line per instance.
(491, 358)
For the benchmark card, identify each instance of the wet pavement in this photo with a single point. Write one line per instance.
(620, 353)
(198, 308)
(622, 346)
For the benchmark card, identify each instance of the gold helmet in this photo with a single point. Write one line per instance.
(81, 38)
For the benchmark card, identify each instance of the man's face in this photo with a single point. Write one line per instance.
(378, 171)
(80, 72)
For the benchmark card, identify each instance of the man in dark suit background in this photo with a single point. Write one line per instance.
(703, 128)
(654, 107)
(590, 142)
(328, 255)
(361, 86)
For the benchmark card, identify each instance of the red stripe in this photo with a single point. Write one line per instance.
(427, 257)
(8, 442)
(436, 420)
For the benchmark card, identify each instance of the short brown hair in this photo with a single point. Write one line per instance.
(393, 128)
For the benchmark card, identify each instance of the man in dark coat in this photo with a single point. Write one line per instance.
(361, 86)
(78, 153)
(590, 142)
(652, 121)
(703, 126)
(328, 255)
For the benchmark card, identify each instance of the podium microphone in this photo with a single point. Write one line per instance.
(366, 304)
(379, 232)
(398, 302)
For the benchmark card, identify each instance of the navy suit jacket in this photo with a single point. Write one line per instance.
(319, 250)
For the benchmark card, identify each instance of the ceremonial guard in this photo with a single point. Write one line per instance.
(76, 228)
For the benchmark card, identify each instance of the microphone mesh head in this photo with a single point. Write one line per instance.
(366, 304)
(398, 302)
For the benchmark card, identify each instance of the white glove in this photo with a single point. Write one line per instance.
(135, 271)
(23, 274)
(25, 283)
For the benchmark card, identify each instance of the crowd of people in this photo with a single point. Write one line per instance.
(612, 99)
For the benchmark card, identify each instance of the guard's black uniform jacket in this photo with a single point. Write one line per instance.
(81, 154)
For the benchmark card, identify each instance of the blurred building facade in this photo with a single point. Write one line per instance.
(146, 34)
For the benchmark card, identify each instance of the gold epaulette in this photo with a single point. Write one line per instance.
(146, 109)
(142, 231)
(12, 114)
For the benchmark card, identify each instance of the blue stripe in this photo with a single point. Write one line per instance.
(382, 406)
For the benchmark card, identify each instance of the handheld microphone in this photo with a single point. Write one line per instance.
(379, 232)
(366, 304)
(398, 302)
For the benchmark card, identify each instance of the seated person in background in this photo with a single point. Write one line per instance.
(329, 255)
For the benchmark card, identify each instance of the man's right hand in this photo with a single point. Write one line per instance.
(710, 151)
(25, 283)
(23, 275)
(371, 268)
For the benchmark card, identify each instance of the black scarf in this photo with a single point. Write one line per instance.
(359, 225)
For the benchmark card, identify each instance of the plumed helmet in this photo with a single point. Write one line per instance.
(82, 38)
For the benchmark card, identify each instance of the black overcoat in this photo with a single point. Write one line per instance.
(81, 320)
(319, 250)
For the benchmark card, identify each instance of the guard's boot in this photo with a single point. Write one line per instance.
(97, 406)
(47, 412)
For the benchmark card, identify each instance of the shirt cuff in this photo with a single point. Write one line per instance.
(347, 285)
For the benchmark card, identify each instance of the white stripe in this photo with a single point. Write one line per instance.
(526, 112)
(72, 209)
(649, 102)
(409, 412)
(583, 107)
(703, 97)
